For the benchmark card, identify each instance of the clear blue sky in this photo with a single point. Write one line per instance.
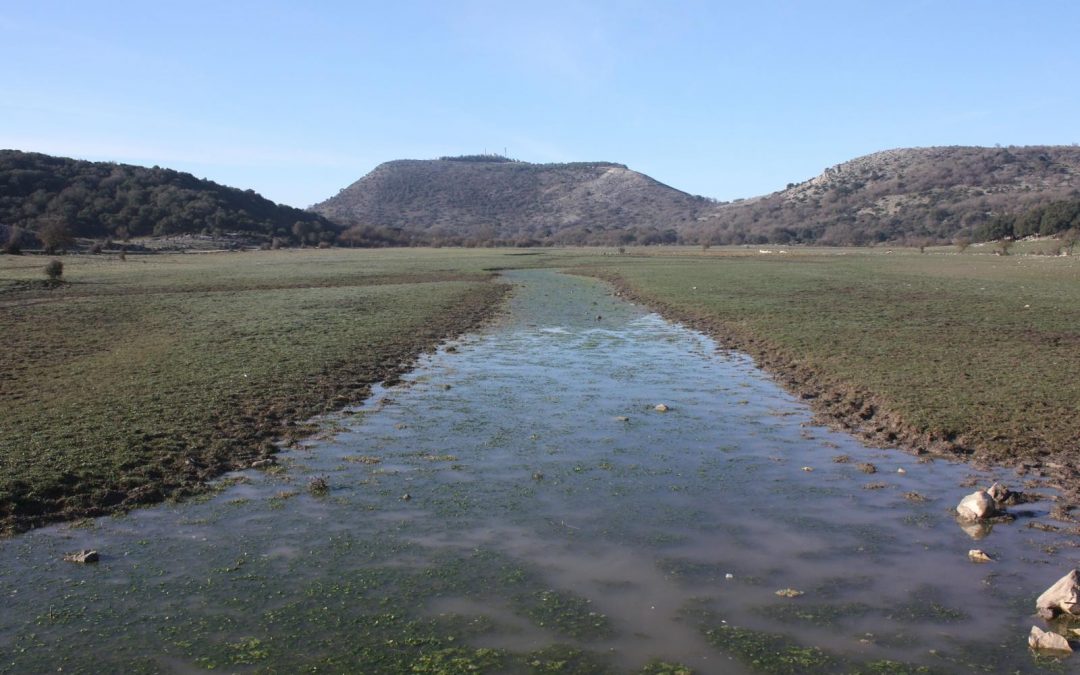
(298, 99)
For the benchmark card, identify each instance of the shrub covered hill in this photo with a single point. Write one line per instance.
(913, 194)
(102, 199)
(485, 198)
(908, 195)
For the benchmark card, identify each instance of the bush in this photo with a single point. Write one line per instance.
(54, 270)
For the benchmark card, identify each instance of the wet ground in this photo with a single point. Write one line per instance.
(518, 504)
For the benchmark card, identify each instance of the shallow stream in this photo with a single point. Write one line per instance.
(517, 504)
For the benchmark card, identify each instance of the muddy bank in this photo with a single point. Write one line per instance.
(864, 413)
(249, 429)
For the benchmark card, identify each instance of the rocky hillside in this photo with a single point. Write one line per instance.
(102, 199)
(898, 195)
(488, 198)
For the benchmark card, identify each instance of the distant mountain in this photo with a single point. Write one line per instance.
(897, 195)
(488, 198)
(103, 199)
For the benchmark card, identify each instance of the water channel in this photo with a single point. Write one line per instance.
(517, 504)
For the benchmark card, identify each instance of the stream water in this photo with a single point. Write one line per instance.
(517, 504)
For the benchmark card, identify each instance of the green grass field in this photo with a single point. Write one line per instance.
(139, 380)
(977, 349)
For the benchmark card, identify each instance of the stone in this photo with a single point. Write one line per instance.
(661, 407)
(622, 418)
(998, 492)
(1063, 597)
(262, 463)
(1044, 640)
(789, 593)
(867, 467)
(406, 497)
(82, 557)
(979, 556)
(977, 506)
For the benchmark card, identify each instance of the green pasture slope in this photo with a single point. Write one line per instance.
(977, 350)
(140, 379)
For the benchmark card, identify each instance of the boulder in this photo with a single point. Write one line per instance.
(661, 407)
(1061, 598)
(977, 506)
(1043, 640)
(979, 556)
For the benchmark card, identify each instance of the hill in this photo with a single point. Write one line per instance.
(904, 195)
(103, 199)
(488, 198)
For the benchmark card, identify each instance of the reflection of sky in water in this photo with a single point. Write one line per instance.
(514, 444)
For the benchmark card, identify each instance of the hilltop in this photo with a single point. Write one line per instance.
(902, 195)
(489, 198)
(108, 200)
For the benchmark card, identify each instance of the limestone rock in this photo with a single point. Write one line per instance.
(1044, 640)
(977, 506)
(1062, 597)
(661, 407)
(980, 556)
(998, 492)
(82, 557)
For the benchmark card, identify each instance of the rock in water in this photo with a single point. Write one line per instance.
(977, 506)
(661, 407)
(82, 557)
(998, 492)
(1043, 640)
(1062, 597)
(978, 555)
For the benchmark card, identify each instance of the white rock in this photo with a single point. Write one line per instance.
(1063, 596)
(976, 506)
(1041, 639)
(978, 555)
(661, 407)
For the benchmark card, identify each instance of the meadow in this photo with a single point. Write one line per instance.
(139, 380)
(969, 353)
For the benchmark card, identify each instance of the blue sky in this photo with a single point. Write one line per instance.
(297, 100)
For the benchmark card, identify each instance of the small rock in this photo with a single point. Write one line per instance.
(914, 497)
(808, 468)
(598, 317)
(979, 556)
(406, 497)
(729, 575)
(1044, 640)
(660, 407)
(876, 485)
(901, 470)
(867, 467)
(789, 593)
(82, 557)
(622, 418)
(1062, 597)
(538, 476)
(977, 506)
(841, 459)
(998, 492)
(262, 463)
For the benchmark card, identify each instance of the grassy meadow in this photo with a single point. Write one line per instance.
(138, 380)
(977, 350)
